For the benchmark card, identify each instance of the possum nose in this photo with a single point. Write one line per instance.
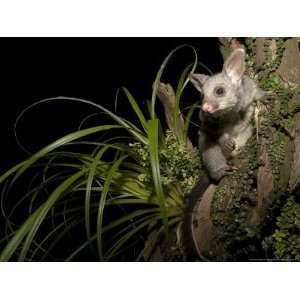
(206, 107)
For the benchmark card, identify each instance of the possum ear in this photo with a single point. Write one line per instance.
(234, 66)
(198, 80)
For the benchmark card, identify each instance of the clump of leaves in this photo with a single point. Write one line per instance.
(284, 243)
(178, 165)
(94, 204)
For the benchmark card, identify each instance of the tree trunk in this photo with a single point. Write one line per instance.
(229, 219)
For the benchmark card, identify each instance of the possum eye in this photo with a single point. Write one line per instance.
(219, 91)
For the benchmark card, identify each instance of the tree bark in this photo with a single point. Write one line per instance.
(231, 216)
(166, 95)
(228, 219)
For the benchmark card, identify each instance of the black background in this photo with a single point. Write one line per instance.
(92, 68)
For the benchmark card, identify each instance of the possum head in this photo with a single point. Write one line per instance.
(221, 92)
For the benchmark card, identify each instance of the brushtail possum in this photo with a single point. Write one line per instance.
(226, 113)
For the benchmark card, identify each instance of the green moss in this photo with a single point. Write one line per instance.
(284, 243)
(251, 49)
(276, 152)
(265, 74)
(236, 195)
(178, 165)
(232, 202)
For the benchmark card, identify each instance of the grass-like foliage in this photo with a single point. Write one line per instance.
(109, 199)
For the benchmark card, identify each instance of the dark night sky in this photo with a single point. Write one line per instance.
(93, 68)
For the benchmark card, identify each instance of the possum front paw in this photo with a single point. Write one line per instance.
(228, 146)
(224, 171)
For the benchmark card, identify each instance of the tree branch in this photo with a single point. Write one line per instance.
(167, 97)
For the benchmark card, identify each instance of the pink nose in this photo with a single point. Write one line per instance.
(207, 108)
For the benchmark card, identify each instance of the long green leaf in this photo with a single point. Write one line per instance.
(58, 238)
(47, 237)
(160, 72)
(183, 77)
(20, 168)
(106, 186)
(125, 237)
(32, 224)
(89, 183)
(136, 109)
(153, 150)
(112, 225)
(179, 92)
(124, 123)
(187, 121)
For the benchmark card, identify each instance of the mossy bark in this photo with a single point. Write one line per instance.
(228, 220)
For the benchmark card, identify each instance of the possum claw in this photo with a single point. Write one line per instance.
(224, 171)
(228, 146)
